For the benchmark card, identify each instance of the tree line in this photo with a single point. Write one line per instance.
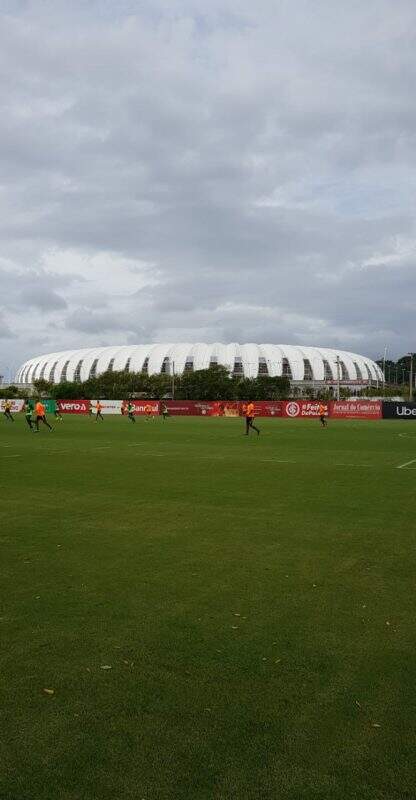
(397, 373)
(215, 383)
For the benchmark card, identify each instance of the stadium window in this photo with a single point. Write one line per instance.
(238, 367)
(110, 365)
(263, 369)
(165, 368)
(93, 370)
(344, 372)
(213, 362)
(368, 372)
(328, 371)
(127, 367)
(307, 370)
(42, 372)
(35, 371)
(52, 373)
(77, 373)
(145, 367)
(189, 364)
(358, 371)
(64, 371)
(286, 368)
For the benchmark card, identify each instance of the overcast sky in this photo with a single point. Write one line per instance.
(184, 170)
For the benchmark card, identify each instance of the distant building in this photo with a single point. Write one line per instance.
(302, 365)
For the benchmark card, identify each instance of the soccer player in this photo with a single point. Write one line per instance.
(165, 412)
(130, 411)
(323, 410)
(58, 414)
(41, 416)
(28, 410)
(250, 419)
(98, 414)
(8, 410)
(148, 411)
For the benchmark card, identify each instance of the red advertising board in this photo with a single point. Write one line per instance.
(180, 408)
(356, 409)
(264, 408)
(299, 409)
(290, 409)
(73, 406)
(201, 408)
(142, 407)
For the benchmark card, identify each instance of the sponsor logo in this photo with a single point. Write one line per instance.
(357, 409)
(293, 409)
(405, 411)
(311, 410)
(72, 406)
(16, 405)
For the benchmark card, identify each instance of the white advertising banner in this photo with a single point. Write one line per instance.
(16, 405)
(108, 406)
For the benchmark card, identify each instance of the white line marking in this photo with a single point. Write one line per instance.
(277, 461)
(369, 466)
(16, 455)
(401, 466)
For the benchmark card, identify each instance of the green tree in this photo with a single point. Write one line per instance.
(66, 391)
(42, 387)
(214, 383)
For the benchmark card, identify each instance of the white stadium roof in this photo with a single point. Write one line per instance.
(299, 363)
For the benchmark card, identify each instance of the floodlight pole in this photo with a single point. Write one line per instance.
(337, 377)
(411, 377)
(384, 370)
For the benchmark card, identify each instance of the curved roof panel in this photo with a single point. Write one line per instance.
(79, 364)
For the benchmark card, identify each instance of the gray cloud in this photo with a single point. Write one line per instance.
(5, 331)
(82, 319)
(183, 171)
(44, 299)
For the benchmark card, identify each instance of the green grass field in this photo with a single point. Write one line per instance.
(254, 598)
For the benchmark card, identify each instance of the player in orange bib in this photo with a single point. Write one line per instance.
(148, 411)
(249, 412)
(98, 410)
(8, 411)
(41, 416)
(323, 411)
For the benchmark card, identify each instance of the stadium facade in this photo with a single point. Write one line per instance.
(302, 365)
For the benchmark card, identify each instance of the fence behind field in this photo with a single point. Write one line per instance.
(285, 409)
